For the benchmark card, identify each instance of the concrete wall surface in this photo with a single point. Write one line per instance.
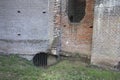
(24, 26)
(106, 33)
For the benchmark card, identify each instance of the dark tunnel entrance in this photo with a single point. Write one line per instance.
(76, 10)
(40, 59)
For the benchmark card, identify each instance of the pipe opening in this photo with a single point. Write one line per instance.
(40, 59)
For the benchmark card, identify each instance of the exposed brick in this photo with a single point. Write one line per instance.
(78, 38)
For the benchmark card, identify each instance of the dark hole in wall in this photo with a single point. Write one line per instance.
(19, 34)
(18, 11)
(76, 10)
(64, 25)
(40, 59)
(43, 12)
(91, 26)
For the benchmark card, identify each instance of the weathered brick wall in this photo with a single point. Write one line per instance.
(77, 38)
(106, 33)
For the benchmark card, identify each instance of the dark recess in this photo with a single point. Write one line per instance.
(44, 12)
(18, 11)
(76, 10)
(64, 25)
(40, 59)
(19, 34)
(91, 26)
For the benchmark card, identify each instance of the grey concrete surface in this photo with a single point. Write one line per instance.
(25, 26)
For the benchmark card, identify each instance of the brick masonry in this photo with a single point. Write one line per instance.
(77, 38)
